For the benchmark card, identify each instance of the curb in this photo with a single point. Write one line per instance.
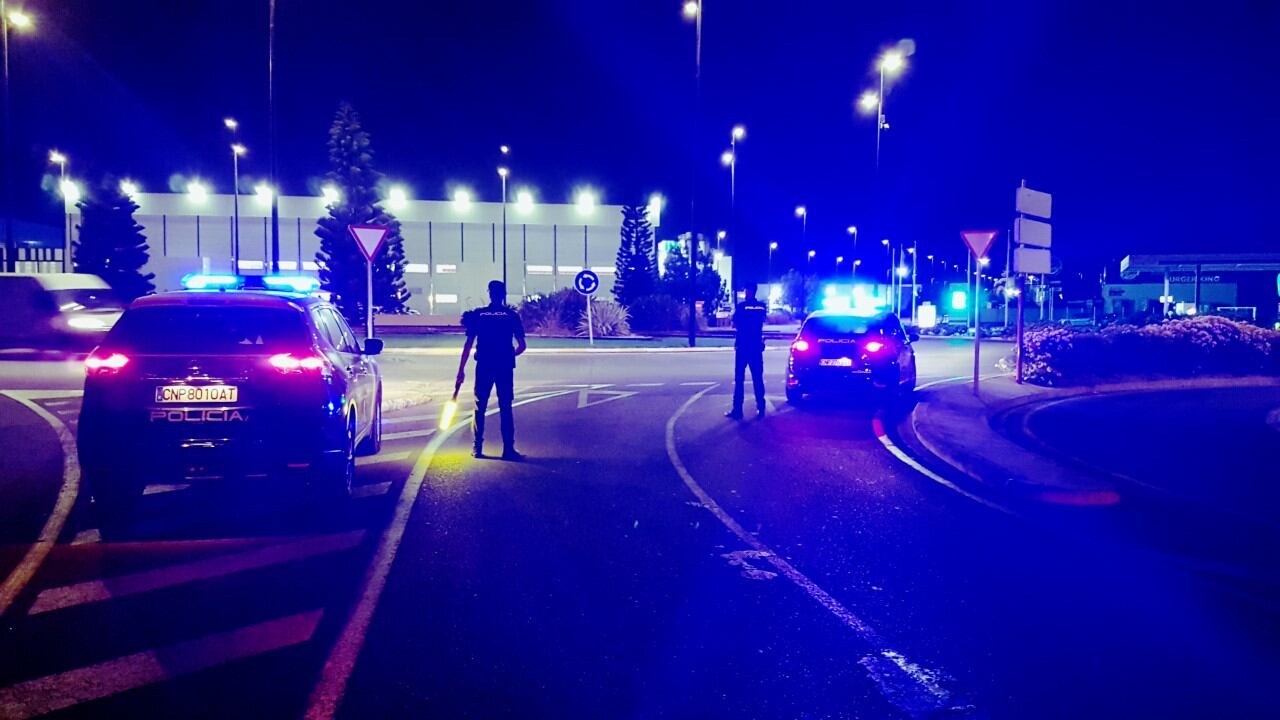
(453, 352)
(1097, 490)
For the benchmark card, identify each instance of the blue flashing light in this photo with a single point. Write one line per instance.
(201, 281)
(291, 283)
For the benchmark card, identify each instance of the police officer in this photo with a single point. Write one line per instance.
(748, 351)
(498, 335)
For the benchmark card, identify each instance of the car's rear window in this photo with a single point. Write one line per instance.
(210, 330)
(843, 326)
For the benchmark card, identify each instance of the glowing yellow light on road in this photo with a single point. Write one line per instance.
(448, 413)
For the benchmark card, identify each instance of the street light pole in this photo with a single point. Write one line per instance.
(693, 11)
(271, 122)
(502, 173)
(61, 160)
(236, 151)
(10, 245)
(772, 246)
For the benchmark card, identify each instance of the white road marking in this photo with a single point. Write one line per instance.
(410, 419)
(382, 457)
(87, 537)
(160, 488)
(364, 491)
(60, 403)
(408, 434)
(878, 426)
(644, 384)
(902, 683)
(39, 550)
(124, 585)
(56, 692)
(585, 401)
(337, 669)
(68, 412)
(696, 384)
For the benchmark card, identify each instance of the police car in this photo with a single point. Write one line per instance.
(851, 350)
(228, 380)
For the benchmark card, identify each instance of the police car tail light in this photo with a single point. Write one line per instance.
(874, 346)
(108, 364)
(800, 345)
(289, 363)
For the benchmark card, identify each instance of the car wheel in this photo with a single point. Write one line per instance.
(372, 444)
(340, 476)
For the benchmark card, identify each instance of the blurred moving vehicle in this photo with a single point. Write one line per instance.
(71, 312)
(227, 382)
(851, 350)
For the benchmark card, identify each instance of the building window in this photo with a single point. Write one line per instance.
(446, 298)
(417, 268)
(539, 269)
(250, 264)
(446, 269)
(570, 269)
(603, 269)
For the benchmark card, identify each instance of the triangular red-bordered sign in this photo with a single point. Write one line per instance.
(369, 238)
(979, 241)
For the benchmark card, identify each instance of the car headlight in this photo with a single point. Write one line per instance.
(86, 322)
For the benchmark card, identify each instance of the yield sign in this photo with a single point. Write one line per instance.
(979, 241)
(585, 396)
(369, 238)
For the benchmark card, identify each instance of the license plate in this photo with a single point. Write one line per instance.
(836, 362)
(197, 394)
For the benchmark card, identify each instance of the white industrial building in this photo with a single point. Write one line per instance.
(453, 248)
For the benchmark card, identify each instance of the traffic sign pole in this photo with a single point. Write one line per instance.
(369, 239)
(591, 328)
(979, 242)
(586, 282)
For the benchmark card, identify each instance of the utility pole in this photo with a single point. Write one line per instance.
(10, 246)
(271, 118)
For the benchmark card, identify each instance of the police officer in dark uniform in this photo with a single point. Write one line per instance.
(748, 351)
(498, 335)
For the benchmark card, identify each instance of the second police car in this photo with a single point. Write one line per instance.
(851, 350)
(223, 381)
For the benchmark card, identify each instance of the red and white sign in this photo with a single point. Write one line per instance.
(979, 241)
(369, 238)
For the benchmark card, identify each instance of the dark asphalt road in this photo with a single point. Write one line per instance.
(789, 567)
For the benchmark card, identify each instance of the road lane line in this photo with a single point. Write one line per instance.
(902, 683)
(409, 419)
(382, 458)
(92, 591)
(328, 692)
(364, 491)
(696, 384)
(161, 488)
(57, 692)
(87, 537)
(61, 402)
(644, 384)
(878, 427)
(408, 434)
(67, 493)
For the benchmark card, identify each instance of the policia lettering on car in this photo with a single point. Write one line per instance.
(197, 416)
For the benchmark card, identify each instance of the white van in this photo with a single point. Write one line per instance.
(56, 311)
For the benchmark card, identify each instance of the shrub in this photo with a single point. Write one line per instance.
(608, 319)
(556, 314)
(779, 317)
(1176, 348)
(657, 313)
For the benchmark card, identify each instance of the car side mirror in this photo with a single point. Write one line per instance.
(373, 346)
(913, 335)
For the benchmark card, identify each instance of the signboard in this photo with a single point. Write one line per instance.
(1032, 261)
(1032, 232)
(979, 241)
(586, 282)
(1033, 202)
(369, 238)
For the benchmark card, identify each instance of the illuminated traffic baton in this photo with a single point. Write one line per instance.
(450, 409)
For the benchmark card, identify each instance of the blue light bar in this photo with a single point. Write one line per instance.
(292, 283)
(201, 281)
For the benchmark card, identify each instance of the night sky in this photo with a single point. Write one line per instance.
(1153, 124)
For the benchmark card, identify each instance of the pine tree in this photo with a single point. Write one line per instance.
(710, 287)
(110, 243)
(342, 266)
(636, 275)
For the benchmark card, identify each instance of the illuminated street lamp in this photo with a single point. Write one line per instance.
(70, 191)
(811, 254)
(198, 193)
(398, 198)
(524, 202)
(586, 202)
(772, 246)
(690, 9)
(461, 198)
(60, 160)
(803, 213)
(129, 188)
(331, 195)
